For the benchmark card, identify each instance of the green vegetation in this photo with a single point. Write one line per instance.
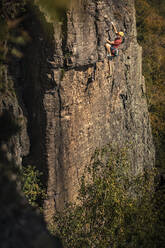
(114, 207)
(151, 35)
(32, 186)
(150, 17)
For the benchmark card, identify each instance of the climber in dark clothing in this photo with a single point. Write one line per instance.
(112, 46)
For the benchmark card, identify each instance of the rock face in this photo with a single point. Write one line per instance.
(73, 104)
(17, 146)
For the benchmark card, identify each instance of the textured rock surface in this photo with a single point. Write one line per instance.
(18, 145)
(73, 105)
(87, 108)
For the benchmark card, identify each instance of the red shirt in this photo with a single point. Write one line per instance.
(117, 42)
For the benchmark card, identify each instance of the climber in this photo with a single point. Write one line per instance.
(112, 46)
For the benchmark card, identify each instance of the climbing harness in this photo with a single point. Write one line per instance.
(114, 51)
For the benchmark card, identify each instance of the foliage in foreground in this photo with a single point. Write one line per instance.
(114, 209)
(32, 186)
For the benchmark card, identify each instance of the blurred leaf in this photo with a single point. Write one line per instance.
(15, 52)
(18, 40)
(14, 22)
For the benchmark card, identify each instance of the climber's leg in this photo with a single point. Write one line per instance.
(108, 47)
(110, 56)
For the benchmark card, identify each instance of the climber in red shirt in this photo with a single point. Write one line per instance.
(112, 46)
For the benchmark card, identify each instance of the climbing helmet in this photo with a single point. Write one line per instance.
(121, 34)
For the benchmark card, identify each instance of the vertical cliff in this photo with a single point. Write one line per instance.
(88, 109)
(73, 105)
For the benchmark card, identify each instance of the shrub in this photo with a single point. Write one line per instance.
(114, 208)
(32, 186)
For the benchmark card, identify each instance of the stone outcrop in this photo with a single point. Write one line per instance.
(72, 103)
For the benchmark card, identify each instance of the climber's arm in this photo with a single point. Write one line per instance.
(110, 42)
(114, 27)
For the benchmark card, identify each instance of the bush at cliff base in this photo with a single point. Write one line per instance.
(32, 186)
(114, 209)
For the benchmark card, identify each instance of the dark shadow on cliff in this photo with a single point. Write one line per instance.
(20, 224)
(30, 75)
